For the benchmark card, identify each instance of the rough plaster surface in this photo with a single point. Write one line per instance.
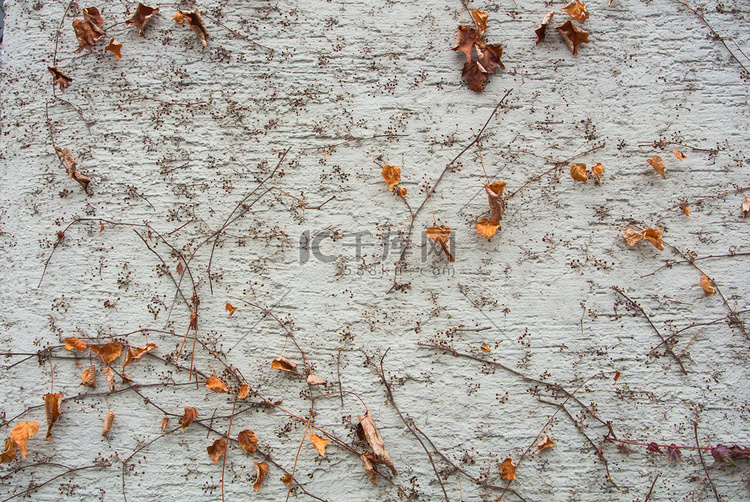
(176, 135)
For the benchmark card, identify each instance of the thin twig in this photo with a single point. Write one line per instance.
(703, 463)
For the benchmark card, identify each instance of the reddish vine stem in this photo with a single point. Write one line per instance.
(651, 490)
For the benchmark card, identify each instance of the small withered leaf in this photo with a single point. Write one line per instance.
(89, 377)
(475, 75)
(495, 199)
(114, 47)
(597, 170)
(391, 175)
(87, 34)
(489, 57)
(248, 441)
(485, 348)
(243, 391)
(440, 235)
(110, 378)
(261, 469)
(217, 449)
(284, 364)
(544, 444)
(21, 434)
(708, 288)
(369, 461)
(679, 154)
(59, 77)
(108, 424)
(578, 172)
(137, 354)
(745, 206)
(179, 268)
(10, 451)
(658, 164)
(498, 187)
(507, 469)
(74, 343)
(195, 20)
(372, 435)
(188, 417)
(577, 10)
(654, 236)
(319, 443)
(573, 36)
(53, 410)
(164, 424)
(673, 453)
(617, 377)
(465, 40)
(141, 16)
(70, 164)
(480, 20)
(287, 479)
(653, 448)
(216, 385)
(230, 308)
(107, 352)
(401, 192)
(315, 380)
(487, 228)
(92, 15)
(632, 236)
(541, 30)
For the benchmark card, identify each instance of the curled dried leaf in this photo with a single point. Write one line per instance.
(108, 424)
(284, 364)
(114, 47)
(489, 57)
(89, 377)
(577, 10)
(244, 390)
(401, 192)
(708, 288)
(216, 385)
(487, 228)
(485, 348)
(654, 236)
(544, 444)
(107, 352)
(261, 469)
(616, 377)
(679, 155)
(465, 40)
(578, 172)
(369, 461)
(110, 378)
(315, 380)
(164, 424)
(480, 20)
(217, 449)
(653, 448)
(137, 354)
(745, 206)
(541, 30)
(92, 15)
(74, 343)
(70, 164)
(658, 164)
(475, 75)
(21, 433)
(287, 479)
(188, 417)
(248, 441)
(59, 77)
(597, 170)
(141, 16)
(686, 210)
(195, 20)
(53, 411)
(391, 175)
(10, 451)
(87, 34)
(508, 469)
(633, 236)
(673, 453)
(441, 235)
(573, 36)
(319, 443)
(375, 441)
(230, 308)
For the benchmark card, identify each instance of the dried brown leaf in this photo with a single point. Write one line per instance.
(216, 385)
(485, 348)
(188, 417)
(745, 206)
(59, 77)
(686, 210)
(577, 10)
(401, 192)
(480, 20)
(74, 343)
(108, 424)
(287, 479)
(21, 434)
(107, 352)
(89, 377)
(541, 30)
(369, 460)
(679, 155)
(179, 268)
(708, 288)
(508, 470)
(489, 57)
(391, 175)
(244, 390)
(573, 36)
(597, 170)
(544, 444)
(654, 236)
(217, 449)
(110, 378)
(53, 410)
(248, 441)
(230, 308)
(114, 47)
(375, 441)
(10, 452)
(284, 364)
(315, 380)
(261, 469)
(137, 354)
(465, 40)
(632, 236)
(319, 443)
(658, 164)
(195, 21)
(487, 228)
(440, 235)
(617, 377)
(92, 15)
(87, 34)
(475, 75)
(164, 424)
(70, 164)
(578, 172)
(141, 16)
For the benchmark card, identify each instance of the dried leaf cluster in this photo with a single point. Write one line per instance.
(481, 58)
(572, 34)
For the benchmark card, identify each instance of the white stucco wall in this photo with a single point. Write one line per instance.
(176, 135)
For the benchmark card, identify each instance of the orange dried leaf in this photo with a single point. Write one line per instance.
(110, 378)
(53, 410)
(658, 164)
(375, 441)
(107, 352)
(708, 288)
(188, 417)
(487, 228)
(230, 308)
(179, 269)
(679, 155)
(578, 172)
(465, 40)
(541, 30)
(87, 34)
(243, 391)
(137, 354)
(654, 236)
(480, 20)
(141, 16)
(686, 210)
(544, 444)
(89, 377)
(216, 450)
(248, 441)
(391, 175)
(573, 36)
(74, 343)
(164, 423)
(632, 236)
(319, 443)
(617, 377)
(10, 452)
(315, 380)
(195, 21)
(101, 227)
(401, 192)
(597, 170)
(486, 348)
(497, 187)
(577, 10)
(508, 469)
(261, 469)
(287, 479)
(21, 434)
(745, 206)
(108, 424)
(284, 364)
(59, 77)
(440, 235)
(216, 385)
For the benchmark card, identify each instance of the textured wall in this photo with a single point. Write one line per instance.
(175, 135)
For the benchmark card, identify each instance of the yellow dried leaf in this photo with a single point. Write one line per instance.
(108, 352)
(188, 417)
(230, 308)
(658, 164)
(248, 441)
(391, 175)
(597, 170)
(480, 20)
(21, 434)
(578, 172)
(654, 236)
(108, 424)
(679, 155)
(487, 228)
(486, 348)
(577, 10)
(508, 469)
(708, 288)
(261, 469)
(544, 444)
(74, 343)
(216, 385)
(53, 410)
(319, 443)
(745, 206)
(89, 377)
(244, 391)
(632, 236)
(440, 235)
(9, 454)
(217, 449)
(284, 364)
